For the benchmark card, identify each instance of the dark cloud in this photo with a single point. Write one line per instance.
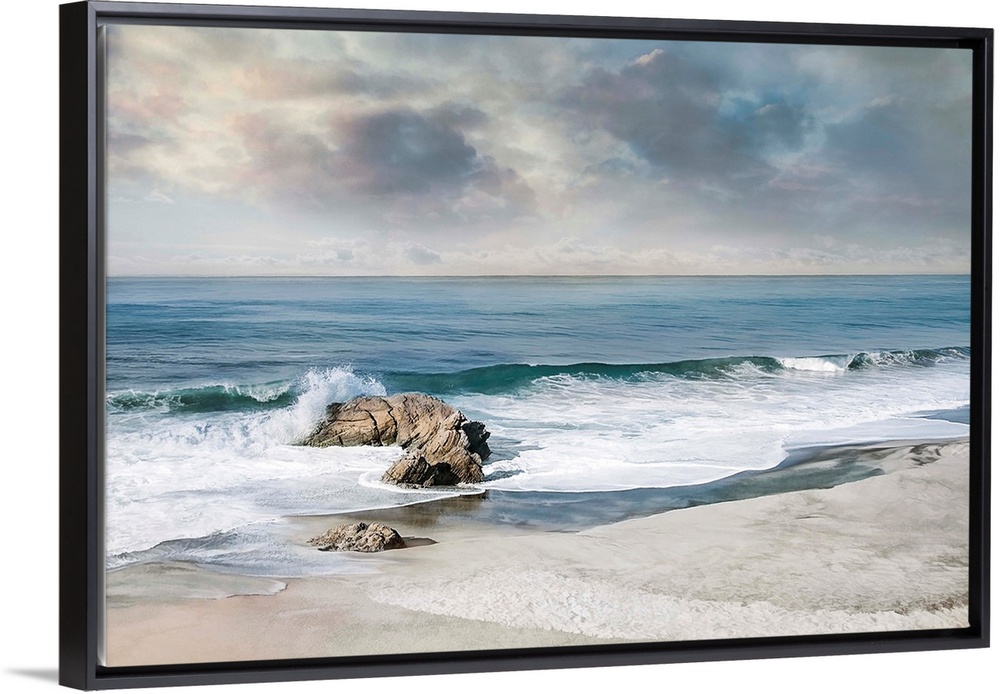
(906, 145)
(405, 152)
(422, 161)
(613, 167)
(413, 164)
(900, 162)
(672, 113)
(881, 138)
(653, 107)
(778, 151)
(776, 125)
(459, 115)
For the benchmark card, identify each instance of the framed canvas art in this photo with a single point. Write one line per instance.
(417, 342)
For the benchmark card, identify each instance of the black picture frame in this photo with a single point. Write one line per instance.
(81, 347)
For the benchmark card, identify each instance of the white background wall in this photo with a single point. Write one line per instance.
(29, 381)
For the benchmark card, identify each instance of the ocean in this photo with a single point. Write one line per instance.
(606, 397)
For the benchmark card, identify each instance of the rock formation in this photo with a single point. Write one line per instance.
(359, 537)
(442, 446)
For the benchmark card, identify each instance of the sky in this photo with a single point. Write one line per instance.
(289, 152)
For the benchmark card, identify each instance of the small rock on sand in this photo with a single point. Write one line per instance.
(359, 537)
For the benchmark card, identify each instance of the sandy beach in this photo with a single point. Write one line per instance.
(889, 552)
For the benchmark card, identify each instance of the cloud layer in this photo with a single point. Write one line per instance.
(252, 151)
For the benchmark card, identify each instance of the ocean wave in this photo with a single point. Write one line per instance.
(493, 380)
(341, 383)
(588, 427)
(209, 398)
(909, 357)
(322, 384)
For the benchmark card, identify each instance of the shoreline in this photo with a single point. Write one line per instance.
(885, 552)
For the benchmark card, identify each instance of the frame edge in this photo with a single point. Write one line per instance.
(77, 346)
(80, 277)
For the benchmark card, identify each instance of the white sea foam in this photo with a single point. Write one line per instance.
(318, 389)
(194, 475)
(574, 435)
(264, 392)
(818, 364)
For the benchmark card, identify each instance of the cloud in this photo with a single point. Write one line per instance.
(775, 140)
(647, 58)
(321, 78)
(676, 115)
(421, 256)
(299, 121)
(569, 255)
(407, 164)
(402, 152)
(915, 148)
(517, 154)
(157, 196)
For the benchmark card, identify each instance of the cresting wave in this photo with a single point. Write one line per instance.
(340, 382)
(210, 398)
(501, 378)
(218, 458)
(492, 380)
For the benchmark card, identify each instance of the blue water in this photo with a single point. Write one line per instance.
(189, 331)
(588, 385)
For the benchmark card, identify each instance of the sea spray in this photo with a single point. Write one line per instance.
(209, 472)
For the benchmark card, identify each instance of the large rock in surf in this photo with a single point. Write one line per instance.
(442, 446)
(359, 537)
